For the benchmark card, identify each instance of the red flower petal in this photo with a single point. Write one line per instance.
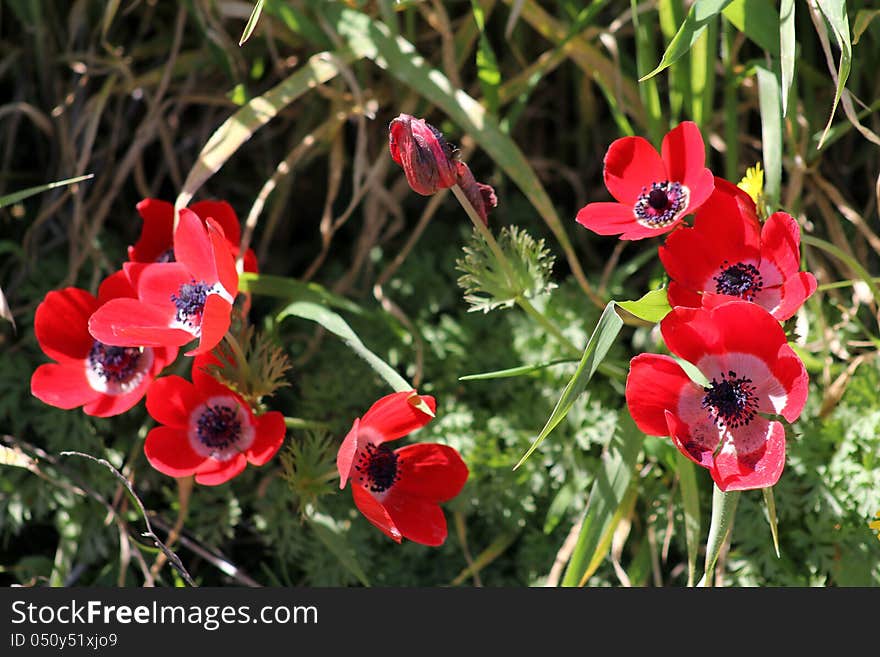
(697, 442)
(752, 457)
(631, 165)
(780, 243)
(679, 295)
(168, 451)
(795, 291)
(700, 186)
(213, 473)
(423, 153)
(375, 513)
(216, 319)
(430, 471)
(394, 415)
(115, 286)
(109, 405)
(61, 324)
(171, 399)
(270, 432)
(684, 155)
(192, 247)
(417, 519)
(654, 386)
(223, 214)
(206, 384)
(607, 218)
(223, 259)
(156, 234)
(789, 370)
(346, 453)
(130, 323)
(63, 386)
(157, 282)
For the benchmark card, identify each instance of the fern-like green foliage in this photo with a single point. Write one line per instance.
(487, 284)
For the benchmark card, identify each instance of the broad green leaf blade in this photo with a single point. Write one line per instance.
(252, 22)
(770, 501)
(723, 513)
(862, 21)
(690, 502)
(330, 535)
(787, 49)
(652, 307)
(597, 348)
(239, 127)
(372, 40)
(291, 289)
(15, 197)
(690, 30)
(559, 506)
(758, 20)
(607, 497)
(513, 371)
(834, 12)
(770, 104)
(338, 326)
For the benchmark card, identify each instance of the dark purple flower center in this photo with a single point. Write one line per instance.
(662, 204)
(219, 426)
(731, 400)
(190, 302)
(739, 280)
(166, 256)
(379, 466)
(117, 365)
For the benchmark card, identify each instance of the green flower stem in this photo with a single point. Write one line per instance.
(521, 301)
(299, 423)
(723, 513)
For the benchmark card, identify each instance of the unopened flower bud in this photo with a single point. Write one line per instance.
(426, 157)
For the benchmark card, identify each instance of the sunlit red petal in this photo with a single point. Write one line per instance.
(216, 319)
(223, 260)
(214, 473)
(700, 187)
(223, 214)
(696, 441)
(345, 455)
(684, 153)
(395, 415)
(679, 295)
(794, 292)
(752, 457)
(156, 283)
(430, 471)
(192, 247)
(63, 386)
(607, 218)
(654, 385)
(375, 513)
(115, 286)
(417, 519)
(168, 450)
(631, 165)
(780, 243)
(61, 324)
(130, 323)
(156, 233)
(171, 399)
(270, 432)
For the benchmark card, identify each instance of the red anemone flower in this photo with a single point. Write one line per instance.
(177, 301)
(399, 491)
(729, 252)
(156, 241)
(207, 430)
(654, 191)
(752, 372)
(105, 380)
(430, 163)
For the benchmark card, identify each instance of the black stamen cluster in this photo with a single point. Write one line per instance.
(731, 400)
(379, 465)
(114, 364)
(218, 427)
(739, 280)
(190, 301)
(660, 205)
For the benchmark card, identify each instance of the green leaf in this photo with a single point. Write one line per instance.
(862, 21)
(834, 12)
(239, 127)
(652, 307)
(252, 22)
(758, 20)
(329, 534)
(611, 491)
(690, 502)
(690, 30)
(787, 49)
(15, 197)
(770, 105)
(338, 326)
(487, 63)
(291, 289)
(771, 517)
(603, 337)
(513, 371)
(723, 513)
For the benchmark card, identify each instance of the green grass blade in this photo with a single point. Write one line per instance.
(770, 501)
(603, 337)
(787, 49)
(513, 371)
(487, 64)
(690, 502)
(252, 22)
(834, 12)
(723, 513)
(15, 197)
(758, 20)
(770, 105)
(608, 496)
(241, 126)
(862, 21)
(690, 30)
(291, 289)
(652, 307)
(645, 55)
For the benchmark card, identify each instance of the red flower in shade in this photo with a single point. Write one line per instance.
(207, 429)
(177, 301)
(399, 491)
(156, 242)
(741, 350)
(430, 164)
(654, 191)
(728, 252)
(103, 379)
